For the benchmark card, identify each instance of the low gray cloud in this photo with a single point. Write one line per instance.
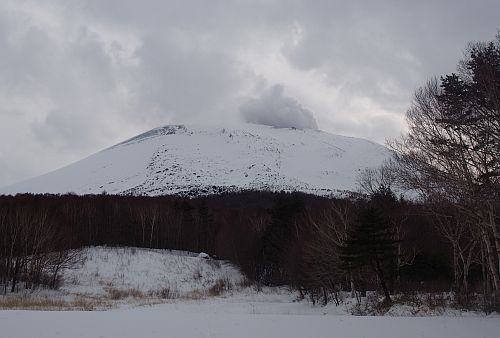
(182, 83)
(79, 76)
(273, 108)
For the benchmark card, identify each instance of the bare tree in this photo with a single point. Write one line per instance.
(330, 230)
(371, 179)
(459, 232)
(452, 150)
(59, 261)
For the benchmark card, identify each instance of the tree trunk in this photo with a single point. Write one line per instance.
(466, 267)
(325, 296)
(491, 262)
(399, 261)
(486, 290)
(54, 277)
(351, 282)
(380, 274)
(496, 240)
(456, 269)
(14, 277)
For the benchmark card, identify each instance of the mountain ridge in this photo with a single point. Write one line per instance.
(196, 160)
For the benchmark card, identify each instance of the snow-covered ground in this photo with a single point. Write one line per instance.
(202, 160)
(106, 270)
(126, 285)
(214, 319)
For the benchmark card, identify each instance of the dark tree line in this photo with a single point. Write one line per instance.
(276, 238)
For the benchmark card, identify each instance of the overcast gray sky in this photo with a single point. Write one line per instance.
(79, 76)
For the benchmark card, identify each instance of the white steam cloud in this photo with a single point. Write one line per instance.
(275, 109)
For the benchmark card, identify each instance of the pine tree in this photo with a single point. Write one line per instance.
(278, 238)
(371, 244)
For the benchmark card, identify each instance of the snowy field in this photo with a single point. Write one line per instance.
(213, 319)
(128, 287)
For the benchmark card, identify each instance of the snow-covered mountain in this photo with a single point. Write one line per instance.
(193, 160)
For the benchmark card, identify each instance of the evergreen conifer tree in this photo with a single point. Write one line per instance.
(371, 244)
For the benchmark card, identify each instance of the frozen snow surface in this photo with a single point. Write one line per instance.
(195, 160)
(178, 320)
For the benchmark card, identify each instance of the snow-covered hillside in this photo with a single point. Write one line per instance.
(193, 160)
(110, 270)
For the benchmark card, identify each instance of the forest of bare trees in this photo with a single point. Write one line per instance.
(275, 238)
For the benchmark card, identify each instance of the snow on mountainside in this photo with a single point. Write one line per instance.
(194, 160)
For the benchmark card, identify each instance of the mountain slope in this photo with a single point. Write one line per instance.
(193, 160)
